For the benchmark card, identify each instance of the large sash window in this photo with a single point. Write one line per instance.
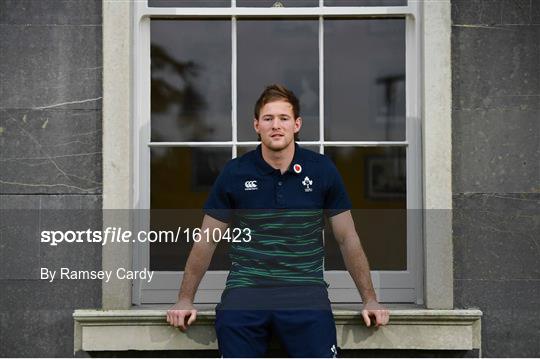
(199, 68)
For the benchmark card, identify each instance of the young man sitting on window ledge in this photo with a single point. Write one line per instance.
(280, 192)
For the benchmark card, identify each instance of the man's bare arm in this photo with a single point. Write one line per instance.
(197, 264)
(199, 259)
(353, 254)
(357, 264)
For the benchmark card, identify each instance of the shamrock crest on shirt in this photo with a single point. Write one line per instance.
(307, 182)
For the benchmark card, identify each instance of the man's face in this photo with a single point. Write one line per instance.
(276, 125)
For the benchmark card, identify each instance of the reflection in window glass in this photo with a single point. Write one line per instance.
(181, 179)
(173, 256)
(189, 3)
(364, 80)
(190, 84)
(311, 148)
(365, 2)
(245, 149)
(278, 51)
(242, 150)
(375, 179)
(276, 3)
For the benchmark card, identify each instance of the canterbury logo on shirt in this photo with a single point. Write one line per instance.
(250, 185)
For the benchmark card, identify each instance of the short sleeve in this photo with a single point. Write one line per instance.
(336, 199)
(219, 203)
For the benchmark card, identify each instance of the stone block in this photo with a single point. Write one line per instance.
(50, 67)
(50, 151)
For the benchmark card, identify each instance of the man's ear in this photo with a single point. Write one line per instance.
(297, 124)
(256, 125)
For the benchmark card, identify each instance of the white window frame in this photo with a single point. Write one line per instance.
(399, 286)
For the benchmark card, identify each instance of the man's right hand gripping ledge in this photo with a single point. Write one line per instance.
(183, 313)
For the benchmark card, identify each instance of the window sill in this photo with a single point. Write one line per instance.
(409, 328)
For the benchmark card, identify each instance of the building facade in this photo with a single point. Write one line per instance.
(71, 104)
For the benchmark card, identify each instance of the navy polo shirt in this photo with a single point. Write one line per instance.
(284, 213)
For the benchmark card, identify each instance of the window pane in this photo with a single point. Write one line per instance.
(245, 149)
(375, 180)
(173, 256)
(278, 51)
(364, 80)
(242, 150)
(181, 179)
(281, 3)
(191, 80)
(189, 3)
(311, 148)
(365, 2)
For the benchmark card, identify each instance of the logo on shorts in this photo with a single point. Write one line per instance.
(307, 182)
(250, 185)
(334, 351)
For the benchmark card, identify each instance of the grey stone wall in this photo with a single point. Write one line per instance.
(50, 167)
(496, 175)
